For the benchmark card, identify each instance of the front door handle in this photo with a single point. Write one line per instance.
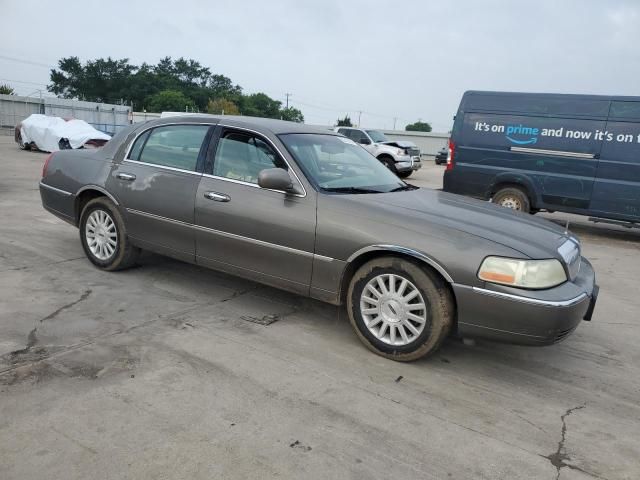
(129, 177)
(217, 197)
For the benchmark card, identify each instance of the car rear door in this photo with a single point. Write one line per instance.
(243, 229)
(616, 192)
(156, 184)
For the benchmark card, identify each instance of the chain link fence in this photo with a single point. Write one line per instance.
(105, 117)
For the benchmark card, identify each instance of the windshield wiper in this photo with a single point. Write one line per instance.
(406, 186)
(351, 190)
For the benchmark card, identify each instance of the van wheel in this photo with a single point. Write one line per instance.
(398, 309)
(512, 197)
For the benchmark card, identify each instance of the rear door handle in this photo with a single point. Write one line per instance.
(217, 197)
(129, 177)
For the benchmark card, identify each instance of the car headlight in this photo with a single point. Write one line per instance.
(522, 273)
(401, 152)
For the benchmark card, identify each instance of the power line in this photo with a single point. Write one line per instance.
(28, 62)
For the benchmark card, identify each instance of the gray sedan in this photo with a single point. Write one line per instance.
(310, 211)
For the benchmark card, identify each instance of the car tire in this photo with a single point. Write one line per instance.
(104, 237)
(512, 197)
(424, 295)
(389, 163)
(21, 144)
(405, 174)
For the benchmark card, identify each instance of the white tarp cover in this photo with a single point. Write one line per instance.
(47, 131)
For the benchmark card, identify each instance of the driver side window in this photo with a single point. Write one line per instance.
(241, 156)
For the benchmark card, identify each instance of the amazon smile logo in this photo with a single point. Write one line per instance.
(515, 134)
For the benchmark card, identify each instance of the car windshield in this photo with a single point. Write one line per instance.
(338, 164)
(377, 136)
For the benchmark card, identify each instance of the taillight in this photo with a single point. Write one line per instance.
(46, 164)
(452, 150)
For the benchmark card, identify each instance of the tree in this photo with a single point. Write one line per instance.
(345, 122)
(6, 90)
(260, 105)
(169, 100)
(222, 106)
(418, 127)
(291, 114)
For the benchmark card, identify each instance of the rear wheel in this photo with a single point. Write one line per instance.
(398, 309)
(103, 236)
(512, 197)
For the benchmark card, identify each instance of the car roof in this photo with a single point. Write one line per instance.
(259, 124)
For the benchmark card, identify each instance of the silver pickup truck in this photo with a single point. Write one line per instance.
(402, 158)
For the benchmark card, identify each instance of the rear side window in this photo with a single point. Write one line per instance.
(241, 156)
(625, 110)
(175, 146)
(538, 104)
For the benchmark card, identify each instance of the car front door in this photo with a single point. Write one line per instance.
(261, 234)
(156, 185)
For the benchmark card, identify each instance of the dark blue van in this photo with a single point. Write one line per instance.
(533, 151)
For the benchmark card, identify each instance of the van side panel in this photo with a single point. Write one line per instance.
(494, 149)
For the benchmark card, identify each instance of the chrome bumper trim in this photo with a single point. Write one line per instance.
(49, 187)
(533, 301)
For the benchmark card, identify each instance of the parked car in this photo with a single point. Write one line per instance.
(570, 153)
(442, 156)
(50, 134)
(402, 158)
(310, 211)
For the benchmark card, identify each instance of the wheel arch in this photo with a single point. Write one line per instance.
(362, 256)
(87, 193)
(509, 179)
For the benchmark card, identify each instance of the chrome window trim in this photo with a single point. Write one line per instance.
(164, 167)
(560, 153)
(231, 235)
(533, 301)
(406, 251)
(58, 190)
(263, 137)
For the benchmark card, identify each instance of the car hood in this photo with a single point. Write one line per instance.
(417, 209)
(399, 144)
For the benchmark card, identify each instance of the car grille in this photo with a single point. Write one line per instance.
(414, 152)
(570, 252)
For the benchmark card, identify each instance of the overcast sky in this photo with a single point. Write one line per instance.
(406, 59)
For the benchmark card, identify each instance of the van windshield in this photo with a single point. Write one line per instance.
(339, 165)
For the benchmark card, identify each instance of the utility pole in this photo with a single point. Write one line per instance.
(359, 115)
(287, 95)
(394, 122)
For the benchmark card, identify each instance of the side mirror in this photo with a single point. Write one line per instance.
(364, 141)
(276, 179)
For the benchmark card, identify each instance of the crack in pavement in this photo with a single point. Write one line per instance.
(559, 457)
(54, 314)
(39, 265)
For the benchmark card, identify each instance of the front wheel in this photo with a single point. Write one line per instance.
(103, 236)
(398, 309)
(405, 174)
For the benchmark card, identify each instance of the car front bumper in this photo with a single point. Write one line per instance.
(405, 164)
(526, 317)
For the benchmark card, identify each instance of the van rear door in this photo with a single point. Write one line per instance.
(616, 191)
